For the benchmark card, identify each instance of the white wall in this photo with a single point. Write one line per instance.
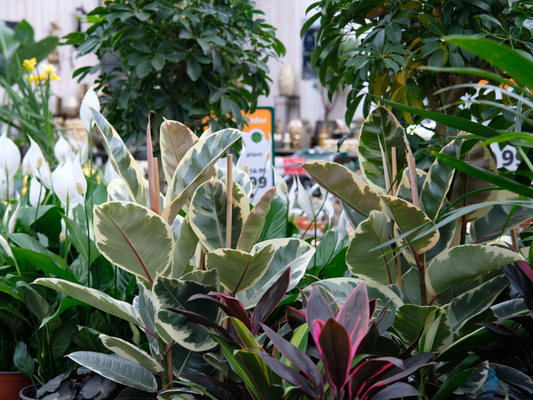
(40, 14)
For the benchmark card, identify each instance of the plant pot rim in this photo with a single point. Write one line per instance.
(23, 396)
(10, 372)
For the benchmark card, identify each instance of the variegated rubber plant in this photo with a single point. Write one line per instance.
(410, 232)
(178, 252)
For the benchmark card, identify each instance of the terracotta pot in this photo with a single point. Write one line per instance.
(11, 383)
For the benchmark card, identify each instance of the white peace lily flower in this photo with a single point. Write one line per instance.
(69, 183)
(82, 148)
(421, 131)
(90, 99)
(38, 164)
(37, 192)
(9, 158)
(62, 150)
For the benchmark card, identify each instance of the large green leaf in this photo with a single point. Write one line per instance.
(438, 181)
(134, 238)
(184, 249)
(463, 183)
(293, 253)
(121, 159)
(94, 298)
(175, 140)
(500, 56)
(197, 166)
(474, 302)
(461, 263)
(237, 269)
(207, 216)
(188, 361)
(368, 264)
(407, 217)
(117, 369)
(276, 223)
(82, 243)
(346, 185)
(174, 293)
(131, 352)
(489, 227)
(411, 319)
(26, 258)
(256, 220)
(381, 131)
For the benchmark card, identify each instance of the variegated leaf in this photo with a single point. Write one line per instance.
(372, 265)
(121, 159)
(381, 126)
(465, 262)
(346, 185)
(207, 216)
(404, 188)
(463, 184)
(174, 293)
(197, 166)
(291, 252)
(438, 182)
(94, 298)
(117, 369)
(131, 352)
(240, 196)
(134, 238)
(237, 269)
(184, 249)
(239, 176)
(118, 191)
(256, 220)
(175, 140)
(407, 217)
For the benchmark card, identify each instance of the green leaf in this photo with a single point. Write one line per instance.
(237, 269)
(346, 185)
(131, 353)
(65, 304)
(158, 63)
(94, 298)
(121, 159)
(196, 167)
(474, 302)
(143, 69)
(275, 222)
(22, 359)
(174, 294)
(117, 369)
(452, 384)
(193, 69)
(25, 258)
(291, 252)
(380, 128)
(256, 220)
(367, 264)
(207, 216)
(411, 319)
(81, 242)
(175, 140)
(461, 263)
(134, 238)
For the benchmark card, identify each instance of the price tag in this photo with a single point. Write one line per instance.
(259, 143)
(507, 157)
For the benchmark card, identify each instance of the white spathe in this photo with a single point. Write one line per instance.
(62, 150)
(9, 158)
(89, 100)
(39, 167)
(69, 183)
(37, 192)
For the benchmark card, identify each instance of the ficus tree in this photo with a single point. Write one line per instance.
(186, 61)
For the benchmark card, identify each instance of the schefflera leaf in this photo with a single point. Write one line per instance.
(197, 166)
(176, 139)
(372, 265)
(134, 238)
(121, 159)
(461, 263)
(381, 130)
(174, 294)
(237, 269)
(407, 217)
(346, 185)
(208, 214)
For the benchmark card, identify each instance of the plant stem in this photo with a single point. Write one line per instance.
(88, 239)
(524, 157)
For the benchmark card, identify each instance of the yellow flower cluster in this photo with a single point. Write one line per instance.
(49, 71)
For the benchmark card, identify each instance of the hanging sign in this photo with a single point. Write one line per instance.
(259, 141)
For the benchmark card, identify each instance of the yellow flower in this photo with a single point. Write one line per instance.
(49, 69)
(33, 78)
(42, 76)
(30, 64)
(54, 77)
